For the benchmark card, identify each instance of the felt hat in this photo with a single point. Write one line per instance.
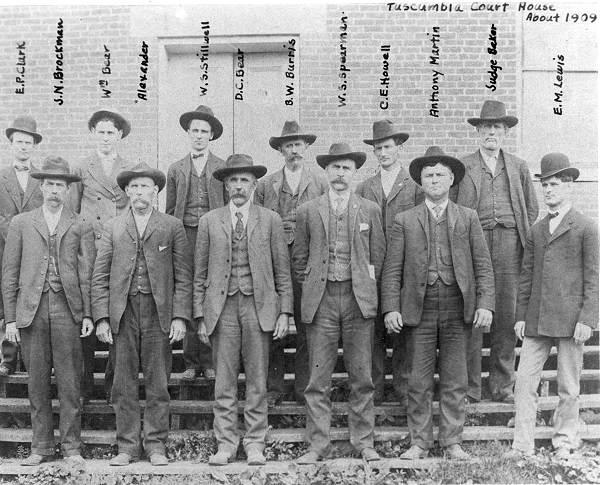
(55, 168)
(25, 124)
(384, 129)
(338, 151)
(554, 163)
(493, 111)
(142, 169)
(119, 120)
(291, 130)
(237, 163)
(436, 154)
(202, 113)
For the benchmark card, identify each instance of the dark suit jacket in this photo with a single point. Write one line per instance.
(97, 197)
(404, 278)
(10, 197)
(168, 258)
(522, 194)
(311, 252)
(25, 263)
(269, 264)
(559, 277)
(178, 185)
(404, 195)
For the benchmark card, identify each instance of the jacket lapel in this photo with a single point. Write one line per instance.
(277, 183)
(422, 218)
(353, 208)
(376, 187)
(66, 220)
(563, 226)
(152, 225)
(475, 171)
(304, 181)
(226, 221)
(398, 184)
(452, 215)
(252, 220)
(14, 188)
(97, 173)
(324, 213)
(39, 222)
(512, 174)
(130, 226)
(32, 186)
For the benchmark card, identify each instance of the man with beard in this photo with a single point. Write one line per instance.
(142, 301)
(18, 193)
(283, 192)
(242, 301)
(337, 257)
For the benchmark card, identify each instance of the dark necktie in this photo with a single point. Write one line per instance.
(239, 225)
(552, 215)
(197, 155)
(21, 167)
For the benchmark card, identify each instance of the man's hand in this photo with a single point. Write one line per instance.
(483, 318)
(177, 330)
(582, 333)
(520, 329)
(393, 322)
(281, 326)
(12, 333)
(103, 331)
(87, 327)
(202, 335)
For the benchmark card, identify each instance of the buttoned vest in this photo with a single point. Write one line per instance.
(288, 204)
(140, 282)
(440, 254)
(197, 202)
(338, 267)
(53, 273)
(494, 197)
(241, 277)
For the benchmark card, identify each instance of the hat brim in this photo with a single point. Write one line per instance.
(358, 157)
(257, 170)
(103, 113)
(276, 141)
(127, 176)
(36, 136)
(55, 175)
(457, 167)
(509, 120)
(186, 118)
(572, 171)
(397, 136)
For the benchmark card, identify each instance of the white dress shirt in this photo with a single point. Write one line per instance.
(141, 221)
(555, 221)
(490, 161)
(52, 219)
(199, 161)
(341, 199)
(23, 178)
(431, 205)
(244, 210)
(107, 162)
(292, 178)
(388, 177)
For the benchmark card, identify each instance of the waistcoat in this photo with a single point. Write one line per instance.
(494, 197)
(52, 273)
(140, 282)
(338, 268)
(197, 203)
(241, 277)
(440, 256)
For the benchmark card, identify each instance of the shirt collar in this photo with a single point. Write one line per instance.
(430, 204)
(487, 158)
(333, 196)
(203, 155)
(244, 209)
(289, 175)
(139, 217)
(562, 211)
(391, 174)
(50, 216)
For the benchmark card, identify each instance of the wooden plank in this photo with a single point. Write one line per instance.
(180, 407)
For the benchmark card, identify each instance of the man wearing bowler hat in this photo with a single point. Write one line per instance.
(437, 281)
(393, 191)
(46, 275)
(557, 304)
(498, 186)
(18, 193)
(337, 257)
(142, 302)
(98, 198)
(242, 301)
(192, 191)
(283, 192)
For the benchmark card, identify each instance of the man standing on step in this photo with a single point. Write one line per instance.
(98, 198)
(437, 281)
(557, 305)
(337, 257)
(242, 301)
(46, 275)
(283, 192)
(192, 191)
(394, 191)
(18, 193)
(142, 301)
(498, 186)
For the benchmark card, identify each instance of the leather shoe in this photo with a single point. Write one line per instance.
(455, 452)
(309, 458)
(34, 459)
(75, 460)
(415, 452)
(369, 454)
(220, 458)
(209, 373)
(158, 459)
(255, 455)
(274, 398)
(121, 459)
(188, 374)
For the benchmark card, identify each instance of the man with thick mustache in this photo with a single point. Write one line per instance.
(142, 302)
(283, 192)
(498, 186)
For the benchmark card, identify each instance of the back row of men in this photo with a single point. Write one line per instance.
(318, 259)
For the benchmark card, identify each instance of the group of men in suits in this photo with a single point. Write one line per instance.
(429, 253)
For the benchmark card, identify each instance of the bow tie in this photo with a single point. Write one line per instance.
(197, 155)
(552, 215)
(21, 168)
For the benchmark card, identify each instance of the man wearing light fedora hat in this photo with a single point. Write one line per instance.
(437, 282)
(18, 193)
(557, 305)
(192, 191)
(46, 276)
(394, 191)
(283, 192)
(142, 302)
(242, 300)
(337, 257)
(98, 198)
(498, 186)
